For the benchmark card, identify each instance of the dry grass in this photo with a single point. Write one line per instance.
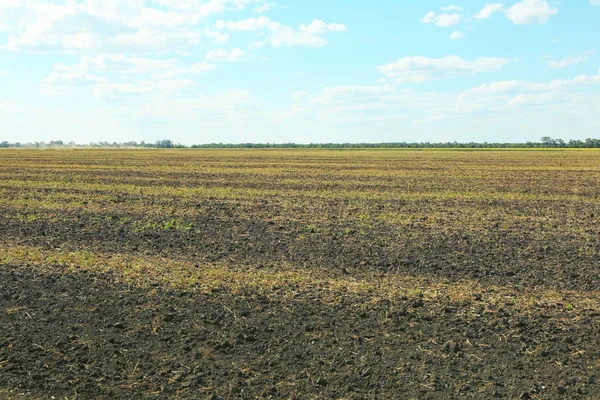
(284, 283)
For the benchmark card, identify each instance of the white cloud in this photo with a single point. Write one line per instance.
(338, 114)
(122, 64)
(300, 95)
(98, 26)
(554, 86)
(525, 12)
(429, 17)
(190, 118)
(217, 37)
(319, 27)
(517, 106)
(565, 62)
(595, 2)
(353, 104)
(443, 20)
(221, 55)
(249, 24)
(84, 26)
(282, 35)
(337, 94)
(116, 76)
(502, 87)
(447, 20)
(188, 112)
(112, 91)
(564, 94)
(264, 7)
(89, 69)
(528, 12)
(202, 67)
(67, 77)
(422, 69)
(588, 79)
(457, 35)
(488, 11)
(530, 99)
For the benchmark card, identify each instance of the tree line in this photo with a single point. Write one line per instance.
(546, 142)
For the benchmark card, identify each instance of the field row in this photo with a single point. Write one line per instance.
(299, 274)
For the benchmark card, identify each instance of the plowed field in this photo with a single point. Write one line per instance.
(287, 274)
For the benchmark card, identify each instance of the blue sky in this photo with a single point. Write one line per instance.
(199, 71)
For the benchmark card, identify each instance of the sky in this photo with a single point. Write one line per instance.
(304, 71)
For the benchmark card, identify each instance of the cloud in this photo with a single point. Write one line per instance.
(587, 79)
(319, 27)
(565, 62)
(282, 35)
(429, 17)
(218, 38)
(447, 20)
(89, 70)
(595, 2)
(515, 86)
(354, 104)
(264, 7)
(122, 64)
(115, 76)
(133, 26)
(422, 69)
(443, 20)
(513, 105)
(335, 113)
(221, 55)
(337, 94)
(249, 24)
(556, 85)
(488, 11)
(113, 91)
(300, 95)
(202, 67)
(508, 95)
(63, 76)
(527, 12)
(457, 35)
(190, 111)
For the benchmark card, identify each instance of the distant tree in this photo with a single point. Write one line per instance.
(547, 141)
(592, 143)
(164, 144)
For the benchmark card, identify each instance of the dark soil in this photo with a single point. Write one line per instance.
(520, 228)
(493, 255)
(76, 334)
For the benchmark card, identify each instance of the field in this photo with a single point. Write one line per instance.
(232, 274)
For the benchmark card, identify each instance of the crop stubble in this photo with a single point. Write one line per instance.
(299, 274)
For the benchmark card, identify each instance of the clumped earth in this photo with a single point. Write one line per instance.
(299, 274)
